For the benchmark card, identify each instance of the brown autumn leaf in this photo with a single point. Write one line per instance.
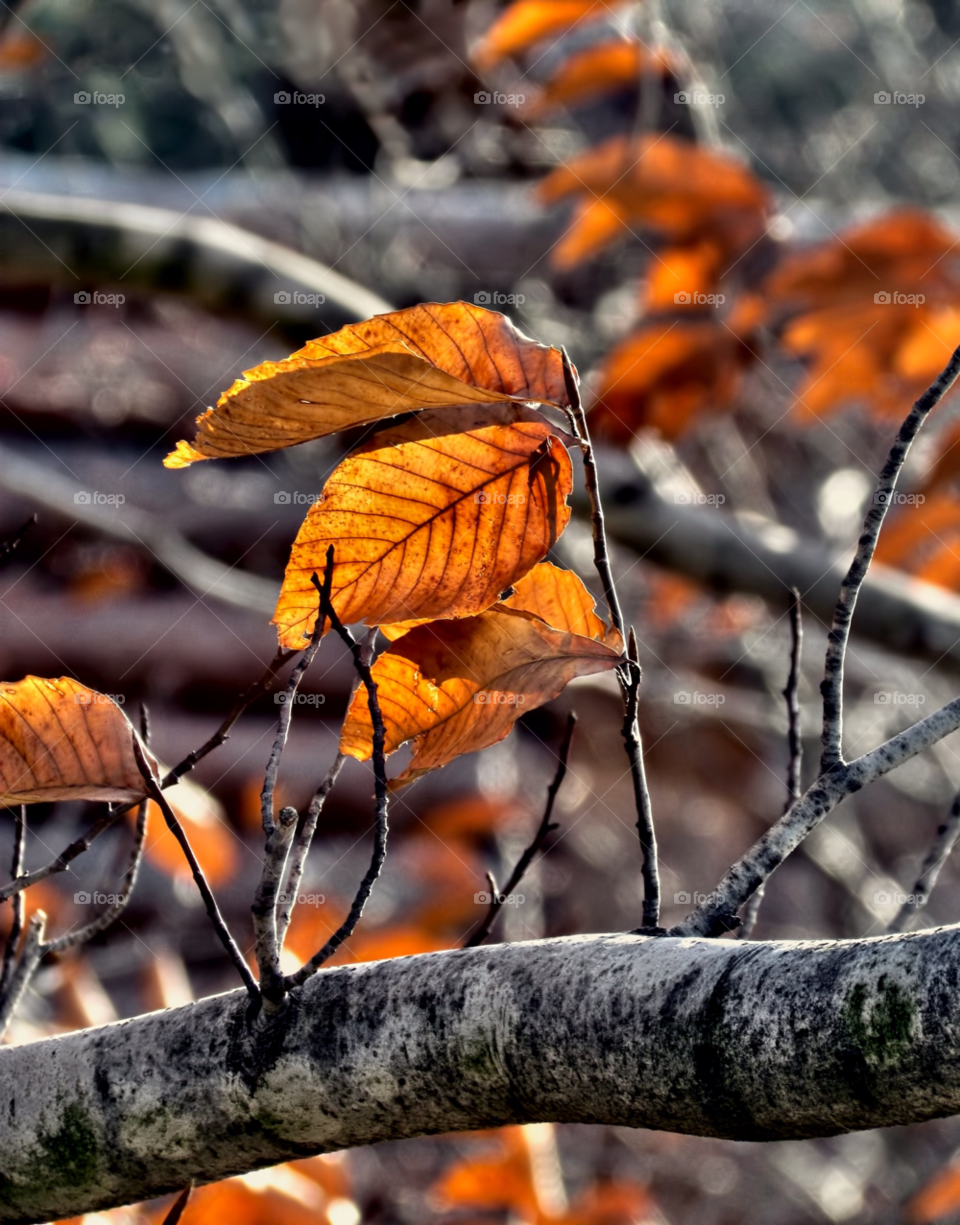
(431, 519)
(608, 66)
(60, 740)
(423, 357)
(560, 598)
(455, 687)
(679, 189)
(528, 21)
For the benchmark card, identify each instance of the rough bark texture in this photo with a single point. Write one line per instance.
(716, 1038)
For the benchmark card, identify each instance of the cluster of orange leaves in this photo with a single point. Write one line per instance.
(872, 313)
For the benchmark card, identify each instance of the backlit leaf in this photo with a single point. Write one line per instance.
(601, 69)
(428, 356)
(527, 22)
(457, 686)
(431, 519)
(60, 740)
(560, 598)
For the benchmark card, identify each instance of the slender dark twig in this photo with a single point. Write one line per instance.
(287, 700)
(209, 901)
(298, 856)
(347, 927)
(264, 908)
(16, 926)
(936, 857)
(109, 818)
(832, 684)
(9, 546)
(116, 908)
(545, 827)
(601, 558)
(26, 965)
(629, 674)
(794, 746)
(178, 1205)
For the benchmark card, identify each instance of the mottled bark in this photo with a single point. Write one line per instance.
(716, 1038)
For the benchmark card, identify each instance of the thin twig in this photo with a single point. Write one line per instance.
(28, 961)
(718, 913)
(109, 818)
(298, 856)
(380, 790)
(10, 545)
(16, 926)
(178, 1205)
(543, 829)
(287, 700)
(831, 686)
(630, 677)
(791, 695)
(937, 856)
(209, 901)
(264, 908)
(118, 906)
(629, 674)
(601, 558)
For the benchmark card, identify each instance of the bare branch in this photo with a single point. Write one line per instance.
(213, 910)
(298, 858)
(545, 827)
(116, 908)
(178, 1205)
(936, 857)
(718, 913)
(264, 908)
(832, 684)
(16, 926)
(26, 965)
(794, 746)
(347, 927)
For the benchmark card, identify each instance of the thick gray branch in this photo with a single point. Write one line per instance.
(716, 1038)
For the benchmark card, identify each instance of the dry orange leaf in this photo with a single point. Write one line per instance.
(60, 740)
(939, 1198)
(428, 356)
(431, 519)
(597, 70)
(204, 823)
(528, 21)
(560, 598)
(678, 277)
(666, 374)
(680, 189)
(455, 687)
(924, 539)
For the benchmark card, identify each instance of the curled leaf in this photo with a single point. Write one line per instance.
(60, 740)
(424, 357)
(560, 598)
(457, 686)
(431, 519)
